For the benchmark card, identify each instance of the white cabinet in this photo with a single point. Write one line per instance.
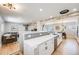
(42, 49)
(46, 48)
(29, 50)
(43, 45)
(39, 46)
(59, 39)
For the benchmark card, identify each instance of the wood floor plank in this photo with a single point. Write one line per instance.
(68, 47)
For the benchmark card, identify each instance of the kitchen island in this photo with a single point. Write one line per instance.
(42, 45)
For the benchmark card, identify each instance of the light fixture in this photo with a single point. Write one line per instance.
(8, 5)
(51, 17)
(64, 11)
(74, 9)
(41, 9)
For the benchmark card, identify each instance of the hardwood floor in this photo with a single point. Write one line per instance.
(10, 49)
(68, 47)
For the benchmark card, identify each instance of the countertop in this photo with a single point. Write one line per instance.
(39, 40)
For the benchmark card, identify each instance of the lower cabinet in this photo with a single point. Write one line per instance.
(46, 48)
(59, 39)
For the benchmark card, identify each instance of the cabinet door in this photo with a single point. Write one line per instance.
(59, 39)
(42, 49)
(36, 51)
(50, 46)
(47, 47)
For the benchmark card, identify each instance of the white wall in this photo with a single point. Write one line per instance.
(70, 24)
(39, 26)
(71, 27)
(1, 28)
(18, 28)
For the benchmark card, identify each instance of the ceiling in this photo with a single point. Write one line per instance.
(27, 12)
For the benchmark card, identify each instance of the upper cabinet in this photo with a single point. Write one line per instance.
(14, 27)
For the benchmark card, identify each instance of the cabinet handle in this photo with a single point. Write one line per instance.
(45, 43)
(46, 48)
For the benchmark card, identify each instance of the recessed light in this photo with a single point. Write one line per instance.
(74, 9)
(41, 9)
(50, 16)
